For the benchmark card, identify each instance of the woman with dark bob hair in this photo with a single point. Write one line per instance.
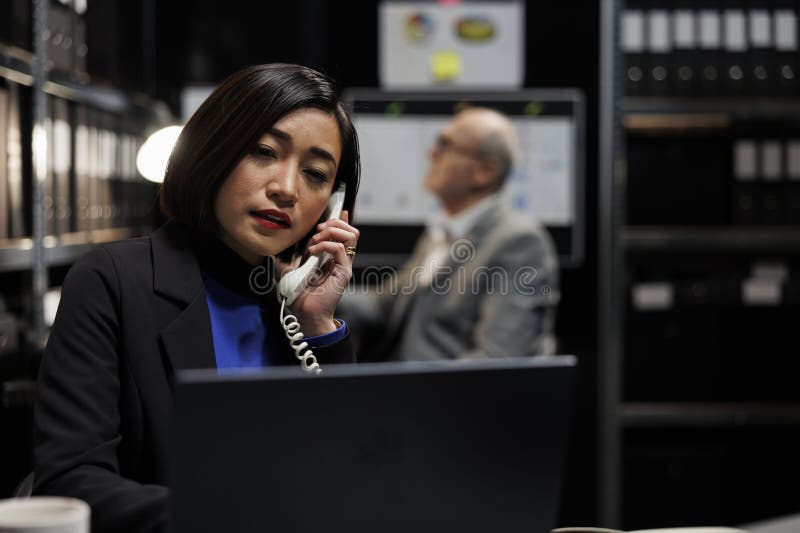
(245, 194)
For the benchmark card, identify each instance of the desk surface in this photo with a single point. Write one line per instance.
(784, 524)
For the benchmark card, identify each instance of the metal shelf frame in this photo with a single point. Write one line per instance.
(716, 238)
(754, 108)
(619, 117)
(18, 66)
(709, 415)
(17, 254)
(610, 297)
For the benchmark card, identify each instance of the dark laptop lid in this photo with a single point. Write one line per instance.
(447, 446)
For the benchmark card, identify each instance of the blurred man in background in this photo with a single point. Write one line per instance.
(482, 281)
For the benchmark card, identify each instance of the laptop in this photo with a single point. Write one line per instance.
(454, 446)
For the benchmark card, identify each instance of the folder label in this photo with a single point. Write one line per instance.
(771, 155)
(735, 31)
(761, 292)
(653, 296)
(709, 30)
(658, 31)
(683, 26)
(744, 160)
(759, 28)
(632, 34)
(785, 22)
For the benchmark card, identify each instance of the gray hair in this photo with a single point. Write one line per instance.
(498, 146)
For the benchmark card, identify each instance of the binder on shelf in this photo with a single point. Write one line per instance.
(717, 291)
(684, 38)
(124, 185)
(792, 206)
(80, 48)
(132, 182)
(632, 44)
(15, 23)
(62, 164)
(710, 41)
(760, 33)
(734, 26)
(48, 186)
(102, 171)
(14, 153)
(785, 64)
(81, 198)
(659, 46)
(770, 196)
(58, 36)
(95, 192)
(103, 178)
(113, 170)
(745, 170)
(3, 164)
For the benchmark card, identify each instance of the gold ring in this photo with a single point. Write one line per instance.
(350, 250)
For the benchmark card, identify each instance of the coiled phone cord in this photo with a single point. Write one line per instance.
(292, 328)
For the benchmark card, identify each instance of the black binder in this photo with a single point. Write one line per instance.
(760, 73)
(684, 39)
(771, 194)
(792, 206)
(632, 44)
(80, 200)
(785, 64)
(744, 168)
(3, 164)
(15, 23)
(735, 46)
(80, 48)
(128, 171)
(659, 46)
(48, 186)
(60, 37)
(710, 41)
(93, 171)
(15, 162)
(62, 164)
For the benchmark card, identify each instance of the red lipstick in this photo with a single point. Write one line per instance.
(273, 219)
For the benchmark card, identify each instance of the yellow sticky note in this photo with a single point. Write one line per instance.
(446, 66)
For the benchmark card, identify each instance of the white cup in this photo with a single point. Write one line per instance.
(44, 514)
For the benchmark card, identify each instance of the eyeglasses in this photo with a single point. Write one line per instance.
(443, 144)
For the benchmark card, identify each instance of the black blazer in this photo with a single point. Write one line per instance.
(131, 314)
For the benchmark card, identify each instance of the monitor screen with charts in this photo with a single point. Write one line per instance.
(424, 447)
(396, 131)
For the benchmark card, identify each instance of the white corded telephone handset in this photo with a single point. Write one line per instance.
(293, 283)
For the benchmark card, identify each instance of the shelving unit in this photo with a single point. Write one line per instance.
(25, 70)
(67, 145)
(712, 441)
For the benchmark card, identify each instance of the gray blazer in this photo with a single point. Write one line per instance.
(495, 295)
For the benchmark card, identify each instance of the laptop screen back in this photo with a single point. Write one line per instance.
(453, 446)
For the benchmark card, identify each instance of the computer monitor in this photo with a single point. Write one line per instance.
(396, 131)
(426, 447)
